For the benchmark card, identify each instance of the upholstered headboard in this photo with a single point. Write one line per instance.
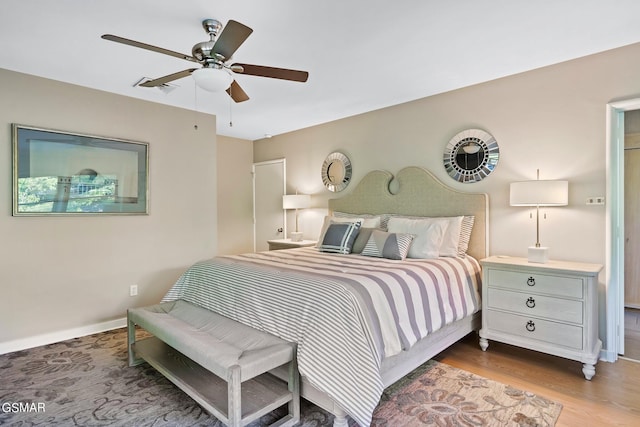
(419, 194)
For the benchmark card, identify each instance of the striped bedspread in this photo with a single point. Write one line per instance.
(346, 312)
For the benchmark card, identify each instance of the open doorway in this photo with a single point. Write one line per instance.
(631, 234)
(616, 333)
(614, 270)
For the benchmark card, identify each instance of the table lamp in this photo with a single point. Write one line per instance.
(539, 193)
(296, 201)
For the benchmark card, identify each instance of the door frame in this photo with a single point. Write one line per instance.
(615, 226)
(284, 191)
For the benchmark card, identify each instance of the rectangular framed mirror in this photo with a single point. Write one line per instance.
(61, 173)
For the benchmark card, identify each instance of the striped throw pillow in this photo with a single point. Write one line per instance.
(382, 244)
(465, 235)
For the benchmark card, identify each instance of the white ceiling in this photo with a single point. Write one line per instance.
(361, 55)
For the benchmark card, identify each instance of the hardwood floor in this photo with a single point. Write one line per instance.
(611, 398)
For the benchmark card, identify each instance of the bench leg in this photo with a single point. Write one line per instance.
(294, 387)
(234, 395)
(131, 339)
(293, 416)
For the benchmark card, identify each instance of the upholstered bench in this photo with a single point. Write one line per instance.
(222, 364)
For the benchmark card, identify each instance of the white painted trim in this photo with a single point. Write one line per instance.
(53, 337)
(609, 356)
(615, 226)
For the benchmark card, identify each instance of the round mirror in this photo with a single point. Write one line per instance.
(471, 155)
(336, 172)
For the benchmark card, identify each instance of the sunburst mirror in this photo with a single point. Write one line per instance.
(336, 172)
(471, 155)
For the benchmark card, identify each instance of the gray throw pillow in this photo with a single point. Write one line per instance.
(339, 237)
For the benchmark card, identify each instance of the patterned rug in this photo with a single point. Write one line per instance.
(86, 382)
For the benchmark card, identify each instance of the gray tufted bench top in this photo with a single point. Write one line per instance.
(214, 341)
(218, 344)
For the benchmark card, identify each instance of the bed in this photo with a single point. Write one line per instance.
(360, 322)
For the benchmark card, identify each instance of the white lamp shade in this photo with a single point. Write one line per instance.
(296, 201)
(212, 79)
(539, 193)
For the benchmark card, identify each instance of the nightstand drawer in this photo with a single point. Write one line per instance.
(535, 329)
(536, 305)
(539, 283)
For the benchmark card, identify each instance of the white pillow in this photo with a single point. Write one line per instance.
(369, 221)
(449, 245)
(451, 239)
(428, 232)
(455, 241)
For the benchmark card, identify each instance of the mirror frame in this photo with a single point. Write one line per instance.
(347, 169)
(61, 173)
(487, 143)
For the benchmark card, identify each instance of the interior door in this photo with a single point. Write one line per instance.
(269, 184)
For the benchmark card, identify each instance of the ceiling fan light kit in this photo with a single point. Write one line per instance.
(215, 74)
(212, 79)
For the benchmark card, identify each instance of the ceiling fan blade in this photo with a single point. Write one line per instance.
(272, 72)
(166, 79)
(232, 36)
(146, 46)
(236, 93)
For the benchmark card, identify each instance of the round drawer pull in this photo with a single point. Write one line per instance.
(531, 302)
(531, 281)
(531, 326)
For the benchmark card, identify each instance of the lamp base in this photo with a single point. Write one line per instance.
(538, 254)
(296, 236)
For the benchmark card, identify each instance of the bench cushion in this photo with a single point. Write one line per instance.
(215, 342)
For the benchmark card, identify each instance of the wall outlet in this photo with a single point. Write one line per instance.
(133, 290)
(596, 200)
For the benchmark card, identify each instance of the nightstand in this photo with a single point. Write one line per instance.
(551, 307)
(289, 244)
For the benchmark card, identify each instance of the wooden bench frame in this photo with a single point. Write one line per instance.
(233, 400)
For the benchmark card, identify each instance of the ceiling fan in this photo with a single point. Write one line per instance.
(213, 55)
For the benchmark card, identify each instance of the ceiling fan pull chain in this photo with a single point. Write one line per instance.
(195, 102)
(230, 106)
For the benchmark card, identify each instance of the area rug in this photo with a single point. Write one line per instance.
(86, 382)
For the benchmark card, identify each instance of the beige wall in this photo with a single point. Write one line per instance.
(551, 118)
(60, 273)
(68, 272)
(235, 195)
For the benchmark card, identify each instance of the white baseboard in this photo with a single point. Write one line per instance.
(52, 337)
(608, 356)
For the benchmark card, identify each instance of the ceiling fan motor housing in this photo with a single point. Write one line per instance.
(202, 51)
